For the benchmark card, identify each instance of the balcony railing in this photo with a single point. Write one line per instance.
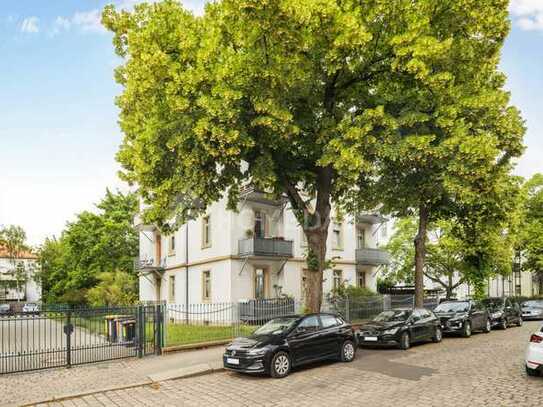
(370, 218)
(261, 246)
(372, 257)
(149, 264)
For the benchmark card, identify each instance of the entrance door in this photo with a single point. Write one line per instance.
(261, 283)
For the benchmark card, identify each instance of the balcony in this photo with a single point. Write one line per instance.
(370, 218)
(149, 265)
(266, 247)
(372, 257)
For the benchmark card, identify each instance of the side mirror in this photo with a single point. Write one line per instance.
(300, 330)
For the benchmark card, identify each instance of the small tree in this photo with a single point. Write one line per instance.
(114, 288)
(13, 239)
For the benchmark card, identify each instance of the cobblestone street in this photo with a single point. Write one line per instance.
(484, 370)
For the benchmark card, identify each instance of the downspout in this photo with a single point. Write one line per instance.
(187, 271)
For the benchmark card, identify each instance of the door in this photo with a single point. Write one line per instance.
(428, 320)
(331, 338)
(510, 313)
(261, 283)
(418, 326)
(305, 341)
(478, 316)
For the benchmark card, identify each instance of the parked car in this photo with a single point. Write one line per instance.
(532, 309)
(401, 327)
(5, 309)
(463, 317)
(534, 354)
(503, 312)
(290, 341)
(31, 308)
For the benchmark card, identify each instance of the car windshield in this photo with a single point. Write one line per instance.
(276, 326)
(452, 307)
(393, 315)
(537, 304)
(493, 303)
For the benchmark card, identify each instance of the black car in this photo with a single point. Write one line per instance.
(401, 327)
(291, 341)
(503, 312)
(532, 309)
(463, 317)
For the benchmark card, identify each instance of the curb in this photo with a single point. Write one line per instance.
(182, 373)
(195, 346)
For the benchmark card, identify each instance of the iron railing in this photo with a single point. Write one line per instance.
(261, 246)
(372, 257)
(64, 336)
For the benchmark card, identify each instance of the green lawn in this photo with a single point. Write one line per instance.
(183, 334)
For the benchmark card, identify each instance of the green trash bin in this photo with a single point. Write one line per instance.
(128, 330)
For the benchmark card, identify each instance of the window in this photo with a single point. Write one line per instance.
(171, 245)
(337, 279)
(260, 224)
(329, 321)
(158, 249)
(360, 238)
(171, 289)
(361, 279)
(260, 283)
(310, 324)
(384, 230)
(337, 236)
(303, 282)
(303, 238)
(206, 231)
(206, 285)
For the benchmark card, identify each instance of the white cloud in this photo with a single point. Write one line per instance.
(527, 14)
(30, 25)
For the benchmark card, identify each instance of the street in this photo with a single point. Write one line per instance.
(484, 370)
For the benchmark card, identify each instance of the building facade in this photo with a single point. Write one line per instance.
(23, 287)
(255, 252)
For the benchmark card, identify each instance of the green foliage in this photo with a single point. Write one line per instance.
(96, 243)
(351, 292)
(530, 243)
(114, 288)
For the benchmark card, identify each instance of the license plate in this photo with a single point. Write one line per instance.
(370, 338)
(232, 361)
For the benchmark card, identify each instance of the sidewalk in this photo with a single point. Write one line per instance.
(25, 388)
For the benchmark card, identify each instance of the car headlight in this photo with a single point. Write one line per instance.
(391, 331)
(498, 314)
(257, 352)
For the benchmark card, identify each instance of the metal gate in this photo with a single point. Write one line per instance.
(73, 336)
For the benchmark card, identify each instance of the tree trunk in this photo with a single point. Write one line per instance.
(449, 287)
(420, 254)
(313, 274)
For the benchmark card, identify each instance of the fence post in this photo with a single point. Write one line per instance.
(68, 328)
(141, 329)
(347, 313)
(159, 323)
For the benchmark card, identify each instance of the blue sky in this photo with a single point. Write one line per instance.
(58, 121)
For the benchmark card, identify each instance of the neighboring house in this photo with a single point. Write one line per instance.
(256, 252)
(29, 290)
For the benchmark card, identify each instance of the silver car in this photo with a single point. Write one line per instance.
(532, 309)
(5, 309)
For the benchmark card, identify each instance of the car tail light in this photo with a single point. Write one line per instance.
(536, 338)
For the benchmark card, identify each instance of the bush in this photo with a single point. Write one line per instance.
(350, 291)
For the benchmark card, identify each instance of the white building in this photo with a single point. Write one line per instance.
(256, 252)
(29, 290)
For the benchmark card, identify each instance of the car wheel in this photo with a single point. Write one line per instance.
(466, 329)
(438, 335)
(531, 372)
(348, 351)
(503, 325)
(405, 341)
(488, 327)
(280, 365)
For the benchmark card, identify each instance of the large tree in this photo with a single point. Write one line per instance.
(295, 96)
(456, 131)
(103, 241)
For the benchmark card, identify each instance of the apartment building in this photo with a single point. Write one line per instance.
(255, 252)
(27, 289)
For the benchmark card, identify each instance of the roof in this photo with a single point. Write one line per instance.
(26, 254)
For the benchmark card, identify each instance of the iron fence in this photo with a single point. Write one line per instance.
(62, 336)
(213, 322)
